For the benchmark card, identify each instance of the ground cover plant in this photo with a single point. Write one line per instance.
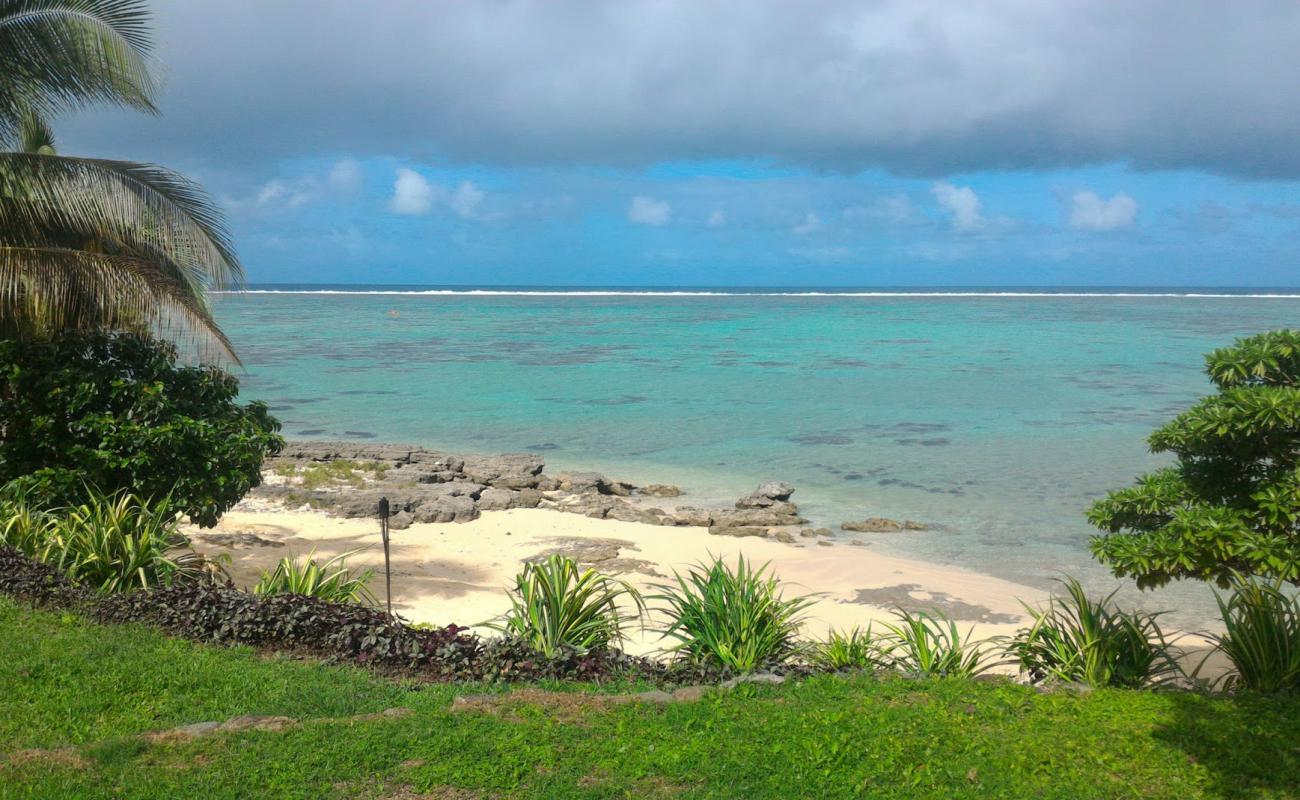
(926, 643)
(330, 580)
(1261, 637)
(1079, 639)
(81, 693)
(735, 619)
(111, 543)
(557, 606)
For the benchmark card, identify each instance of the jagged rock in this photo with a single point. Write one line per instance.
(494, 499)
(437, 462)
(766, 494)
(616, 488)
(436, 476)
(627, 512)
(661, 490)
(754, 516)
(546, 483)
(509, 471)
(873, 525)
(579, 482)
(400, 521)
(591, 505)
(739, 530)
(909, 525)
(689, 515)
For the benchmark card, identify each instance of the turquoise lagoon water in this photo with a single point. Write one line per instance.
(998, 417)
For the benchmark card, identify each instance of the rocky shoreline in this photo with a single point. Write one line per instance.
(425, 485)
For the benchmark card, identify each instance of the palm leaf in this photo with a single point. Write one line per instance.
(51, 289)
(35, 134)
(62, 54)
(136, 206)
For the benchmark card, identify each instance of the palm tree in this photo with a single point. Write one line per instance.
(95, 243)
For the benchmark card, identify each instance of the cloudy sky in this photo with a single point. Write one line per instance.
(684, 142)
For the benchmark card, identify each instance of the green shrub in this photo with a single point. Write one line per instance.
(1261, 637)
(1077, 639)
(735, 619)
(1230, 503)
(331, 581)
(851, 649)
(112, 543)
(929, 644)
(555, 606)
(117, 413)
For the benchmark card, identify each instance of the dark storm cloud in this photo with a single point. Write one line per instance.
(917, 86)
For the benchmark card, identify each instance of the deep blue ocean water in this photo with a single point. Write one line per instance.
(998, 415)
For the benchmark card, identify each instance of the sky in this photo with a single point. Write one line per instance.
(758, 143)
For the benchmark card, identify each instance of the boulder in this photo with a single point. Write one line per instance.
(617, 488)
(448, 508)
(766, 494)
(509, 471)
(495, 499)
(785, 536)
(689, 515)
(754, 516)
(579, 482)
(400, 521)
(626, 512)
(739, 530)
(661, 490)
(873, 525)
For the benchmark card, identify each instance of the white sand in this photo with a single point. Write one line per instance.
(459, 572)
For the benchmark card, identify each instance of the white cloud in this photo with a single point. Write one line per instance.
(649, 211)
(288, 193)
(717, 219)
(466, 199)
(412, 193)
(346, 175)
(810, 223)
(962, 203)
(1088, 212)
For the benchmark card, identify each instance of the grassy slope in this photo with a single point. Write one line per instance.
(65, 681)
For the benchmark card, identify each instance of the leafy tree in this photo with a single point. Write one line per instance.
(91, 244)
(114, 412)
(1231, 504)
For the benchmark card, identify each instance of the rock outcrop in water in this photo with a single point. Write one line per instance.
(430, 486)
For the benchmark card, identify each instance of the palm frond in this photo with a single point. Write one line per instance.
(50, 289)
(35, 134)
(61, 54)
(117, 203)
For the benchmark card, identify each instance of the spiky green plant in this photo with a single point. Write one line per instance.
(557, 606)
(111, 542)
(92, 243)
(854, 648)
(331, 580)
(1081, 640)
(929, 644)
(1261, 637)
(731, 618)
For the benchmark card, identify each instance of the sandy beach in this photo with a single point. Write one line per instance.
(458, 572)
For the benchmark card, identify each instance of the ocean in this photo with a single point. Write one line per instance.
(997, 415)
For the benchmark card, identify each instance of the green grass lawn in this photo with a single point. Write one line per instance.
(66, 682)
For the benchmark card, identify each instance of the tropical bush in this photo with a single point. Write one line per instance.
(1080, 640)
(1261, 637)
(94, 244)
(331, 581)
(929, 644)
(1231, 503)
(735, 619)
(850, 649)
(116, 412)
(557, 607)
(112, 543)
